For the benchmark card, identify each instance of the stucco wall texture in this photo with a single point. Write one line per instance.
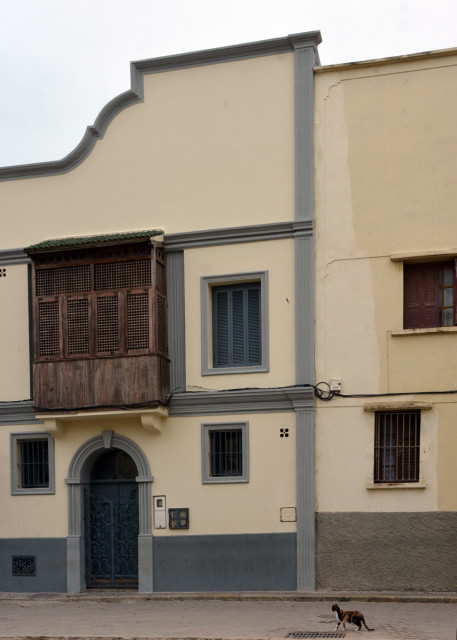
(387, 551)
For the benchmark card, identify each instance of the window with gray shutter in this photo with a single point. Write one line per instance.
(237, 330)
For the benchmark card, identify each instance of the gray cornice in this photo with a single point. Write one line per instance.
(205, 238)
(13, 256)
(136, 94)
(236, 235)
(20, 412)
(201, 403)
(227, 54)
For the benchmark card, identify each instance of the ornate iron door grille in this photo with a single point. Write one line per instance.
(112, 535)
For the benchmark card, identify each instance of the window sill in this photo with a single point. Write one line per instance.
(413, 332)
(226, 480)
(396, 485)
(224, 371)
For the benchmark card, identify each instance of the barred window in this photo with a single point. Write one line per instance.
(32, 463)
(397, 446)
(225, 453)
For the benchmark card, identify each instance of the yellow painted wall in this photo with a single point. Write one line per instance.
(275, 257)
(14, 334)
(385, 145)
(211, 146)
(175, 460)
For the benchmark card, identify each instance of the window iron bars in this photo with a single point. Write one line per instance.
(397, 447)
(34, 463)
(225, 453)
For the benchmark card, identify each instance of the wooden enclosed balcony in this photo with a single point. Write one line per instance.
(100, 323)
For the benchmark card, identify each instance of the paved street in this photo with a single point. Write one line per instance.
(125, 616)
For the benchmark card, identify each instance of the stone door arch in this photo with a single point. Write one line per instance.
(78, 479)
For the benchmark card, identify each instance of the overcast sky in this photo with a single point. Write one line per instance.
(61, 61)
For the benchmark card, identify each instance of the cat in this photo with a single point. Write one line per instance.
(354, 617)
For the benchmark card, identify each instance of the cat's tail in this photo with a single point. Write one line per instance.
(366, 626)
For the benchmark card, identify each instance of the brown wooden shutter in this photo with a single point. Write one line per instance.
(455, 291)
(421, 301)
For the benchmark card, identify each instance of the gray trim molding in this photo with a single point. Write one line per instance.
(305, 60)
(176, 319)
(10, 257)
(16, 463)
(238, 235)
(78, 477)
(19, 412)
(206, 429)
(304, 310)
(233, 401)
(135, 94)
(176, 242)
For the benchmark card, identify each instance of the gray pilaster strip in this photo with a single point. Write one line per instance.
(304, 310)
(75, 565)
(305, 58)
(176, 320)
(145, 564)
(305, 501)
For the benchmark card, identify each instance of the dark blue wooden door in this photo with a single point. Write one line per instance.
(112, 534)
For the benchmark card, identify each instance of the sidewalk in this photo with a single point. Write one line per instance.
(225, 616)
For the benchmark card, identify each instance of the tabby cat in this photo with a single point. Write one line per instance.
(354, 617)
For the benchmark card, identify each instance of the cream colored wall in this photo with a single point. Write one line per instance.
(277, 258)
(14, 334)
(175, 460)
(344, 463)
(385, 149)
(211, 146)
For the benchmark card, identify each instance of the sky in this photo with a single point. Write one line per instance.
(62, 61)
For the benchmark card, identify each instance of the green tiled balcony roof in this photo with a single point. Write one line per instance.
(84, 241)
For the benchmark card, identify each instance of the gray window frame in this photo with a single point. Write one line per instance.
(206, 429)
(16, 489)
(207, 283)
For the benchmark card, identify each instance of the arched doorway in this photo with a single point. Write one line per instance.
(79, 480)
(111, 522)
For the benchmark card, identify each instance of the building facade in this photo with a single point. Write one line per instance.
(156, 398)
(386, 238)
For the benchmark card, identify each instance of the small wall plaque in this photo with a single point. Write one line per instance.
(288, 514)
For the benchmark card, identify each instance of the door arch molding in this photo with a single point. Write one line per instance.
(78, 478)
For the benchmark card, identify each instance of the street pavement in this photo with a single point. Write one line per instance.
(243, 616)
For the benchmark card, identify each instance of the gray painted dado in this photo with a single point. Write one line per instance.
(50, 559)
(256, 562)
(387, 551)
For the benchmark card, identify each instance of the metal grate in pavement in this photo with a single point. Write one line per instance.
(316, 634)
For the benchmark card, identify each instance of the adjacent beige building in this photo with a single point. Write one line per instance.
(386, 245)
